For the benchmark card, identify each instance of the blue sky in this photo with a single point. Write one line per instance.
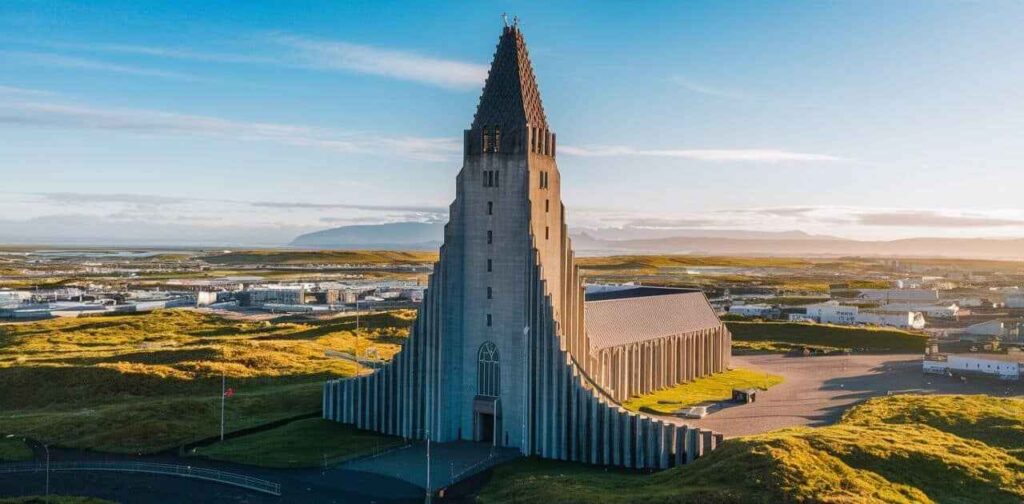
(250, 122)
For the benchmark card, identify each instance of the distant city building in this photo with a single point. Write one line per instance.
(753, 310)
(278, 295)
(831, 312)
(1014, 301)
(900, 295)
(501, 351)
(941, 311)
(1006, 366)
(902, 320)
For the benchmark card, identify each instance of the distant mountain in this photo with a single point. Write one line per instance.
(420, 236)
(967, 248)
(393, 236)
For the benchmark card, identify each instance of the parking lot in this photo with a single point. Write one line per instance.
(817, 390)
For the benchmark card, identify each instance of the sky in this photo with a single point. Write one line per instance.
(252, 122)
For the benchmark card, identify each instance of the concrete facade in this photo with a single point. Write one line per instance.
(499, 352)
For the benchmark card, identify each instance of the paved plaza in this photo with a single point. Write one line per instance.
(817, 390)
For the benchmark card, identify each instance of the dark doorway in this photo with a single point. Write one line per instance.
(486, 428)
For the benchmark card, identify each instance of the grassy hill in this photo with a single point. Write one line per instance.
(302, 257)
(898, 449)
(149, 382)
(781, 336)
(716, 387)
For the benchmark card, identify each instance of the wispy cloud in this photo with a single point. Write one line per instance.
(20, 91)
(705, 89)
(177, 53)
(934, 219)
(155, 122)
(404, 65)
(73, 62)
(324, 206)
(739, 155)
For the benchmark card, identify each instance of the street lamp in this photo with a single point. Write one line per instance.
(47, 449)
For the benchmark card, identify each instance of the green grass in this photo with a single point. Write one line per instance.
(151, 382)
(304, 443)
(877, 453)
(13, 449)
(716, 387)
(302, 257)
(763, 347)
(857, 339)
(53, 499)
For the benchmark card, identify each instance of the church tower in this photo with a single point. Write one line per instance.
(498, 353)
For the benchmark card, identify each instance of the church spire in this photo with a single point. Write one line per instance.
(510, 99)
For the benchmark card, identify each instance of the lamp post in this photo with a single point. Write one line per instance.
(223, 392)
(47, 450)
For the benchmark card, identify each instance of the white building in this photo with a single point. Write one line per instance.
(832, 312)
(1008, 366)
(900, 295)
(931, 310)
(1015, 301)
(751, 310)
(903, 320)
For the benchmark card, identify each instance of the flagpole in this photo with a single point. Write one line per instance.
(223, 391)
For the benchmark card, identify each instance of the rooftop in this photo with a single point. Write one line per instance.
(619, 318)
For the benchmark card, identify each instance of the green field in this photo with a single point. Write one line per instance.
(303, 257)
(304, 443)
(13, 449)
(779, 336)
(712, 388)
(899, 449)
(151, 382)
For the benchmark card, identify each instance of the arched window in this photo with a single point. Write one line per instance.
(488, 371)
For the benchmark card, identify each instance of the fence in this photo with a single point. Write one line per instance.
(214, 475)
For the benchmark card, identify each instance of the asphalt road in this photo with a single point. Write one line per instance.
(817, 390)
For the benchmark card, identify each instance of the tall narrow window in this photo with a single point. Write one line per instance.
(547, 232)
(497, 175)
(490, 293)
(488, 372)
(490, 266)
(496, 141)
(488, 320)
(490, 237)
(547, 206)
(490, 208)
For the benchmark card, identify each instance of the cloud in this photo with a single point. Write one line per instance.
(162, 52)
(708, 90)
(156, 122)
(732, 155)
(670, 223)
(324, 206)
(403, 65)
(61, 61)
(19, 91)
(135, 199)
(285, 50)
(934, 219)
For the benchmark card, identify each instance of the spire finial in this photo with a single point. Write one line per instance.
(504, 18)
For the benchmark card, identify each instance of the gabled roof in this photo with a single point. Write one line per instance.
(510, 98)
(621, 321)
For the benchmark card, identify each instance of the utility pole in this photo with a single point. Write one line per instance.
(223, 398)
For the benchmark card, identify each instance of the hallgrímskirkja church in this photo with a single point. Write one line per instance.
(506, 348)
